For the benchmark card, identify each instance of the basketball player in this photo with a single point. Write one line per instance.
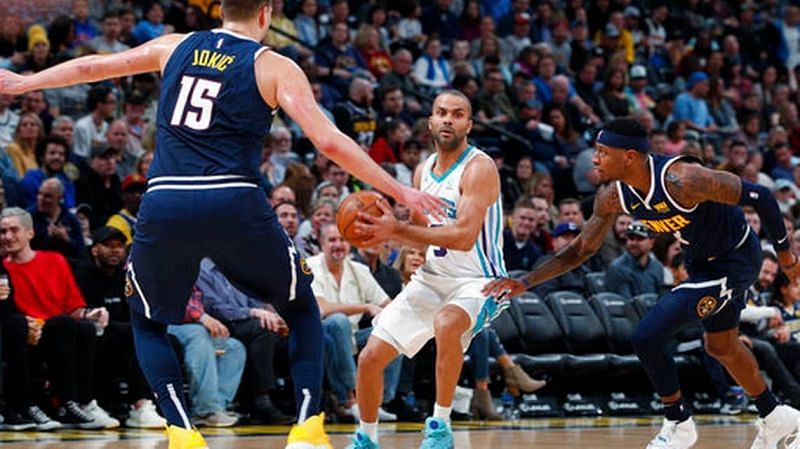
(218, 94)
(723, 256)
(444, 299)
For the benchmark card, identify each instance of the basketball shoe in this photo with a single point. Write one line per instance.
(675, 435)
(180, 438)
(310, 434)
(437, 435)
(362, 441)
(782, 422)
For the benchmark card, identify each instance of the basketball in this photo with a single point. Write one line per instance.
(364, 201)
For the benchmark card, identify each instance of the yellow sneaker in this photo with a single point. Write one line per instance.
(180, 438)
(309, 435)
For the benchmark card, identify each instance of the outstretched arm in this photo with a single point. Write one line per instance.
(148, 57)
(691, 184)
(283, 84)
(588, 242)
(480, 188)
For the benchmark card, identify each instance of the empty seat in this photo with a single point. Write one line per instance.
(583, 331)
(619, 317)
(508, 328)
(542, 339)
(595, 282)
(644, 303)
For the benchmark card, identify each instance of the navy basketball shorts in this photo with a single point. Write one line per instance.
(716, 290)
(234, 226)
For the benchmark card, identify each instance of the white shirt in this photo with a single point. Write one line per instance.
(357, 287)
(87, 135)
(8, 124)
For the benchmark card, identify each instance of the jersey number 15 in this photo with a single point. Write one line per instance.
(200, 94)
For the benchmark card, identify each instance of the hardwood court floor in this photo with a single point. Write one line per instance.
(574, 433)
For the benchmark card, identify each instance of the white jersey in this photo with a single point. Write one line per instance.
(485, 259)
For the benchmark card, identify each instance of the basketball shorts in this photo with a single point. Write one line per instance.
(234, 226)
(407, 322)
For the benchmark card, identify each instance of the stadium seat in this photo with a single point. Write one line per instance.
(595, 283)
(508, 328)
(644, 303)
(619, 317)
(542, 338)
(583, 331)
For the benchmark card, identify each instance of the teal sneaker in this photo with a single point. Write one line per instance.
(437, 435)
(362, 441)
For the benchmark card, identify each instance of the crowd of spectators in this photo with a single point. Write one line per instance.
(712, 79)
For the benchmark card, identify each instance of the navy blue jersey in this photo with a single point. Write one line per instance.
(706, 231)
(212, 119)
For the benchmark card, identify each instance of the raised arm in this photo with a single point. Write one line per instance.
(691, 184)
(588, 242)
(480, 187)
(283, 84)
(148, 57)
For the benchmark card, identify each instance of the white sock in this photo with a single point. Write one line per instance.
(370, 429)
(442, 412)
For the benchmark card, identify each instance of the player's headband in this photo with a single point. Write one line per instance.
(610, 139)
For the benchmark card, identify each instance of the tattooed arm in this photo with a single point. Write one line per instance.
(588, 242)
(691, 184)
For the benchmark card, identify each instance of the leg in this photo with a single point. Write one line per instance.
(230, 367)
(450, 324)
(339, 365)
(371, 362)
(305, 353)
(726, 347)
(391, 374)
(160, 367)
(782, 379)
(85, 363)
(15, 353)
(59, 347)
(200, 360)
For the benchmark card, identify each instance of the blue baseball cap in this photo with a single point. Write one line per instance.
(696, 77)
(566, 227)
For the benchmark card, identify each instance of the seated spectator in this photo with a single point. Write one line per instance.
(307, 240)
(666, 247)
(410, 157)
(355, 116)
(493, 104)
(52, 154)
(306, 23)
(393, 106)
(258, 327)
(118, 139)
(338, 61)
(389, 145)
(214, 363)
(60, 329)
(83, 23)
(541, 235)
(368, 43)
(281, 193)
(280, 42)
(519, 252)
(637, 271)
(614, 241)
(108, 41)
(99, 186)
(345, 291)
(22, 151)
(288, 218)
(387, 277)
(101, 280)
(432, 70)
(574, 280)
(691, 106)
(91, 129)
(56, 228)
(401, 77)
(784, 165)
(569, 210)
(676, 141)
(64, 126)
(785, 194)
(152, 25)
(786, 297)
(133, 187)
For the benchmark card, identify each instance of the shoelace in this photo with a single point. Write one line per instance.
(38, 415)
(73, 408)
(792, 441)
(761, 436)
(436, 438)
(359, 443)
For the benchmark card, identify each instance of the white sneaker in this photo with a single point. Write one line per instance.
(354, 412)
(675, 435)
(219, 418)
(99, 415)
(145, 417)
(782, 422)
(385, 416)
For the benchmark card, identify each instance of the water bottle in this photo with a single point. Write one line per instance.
(411, 401)
(738, 395)
(508, 404)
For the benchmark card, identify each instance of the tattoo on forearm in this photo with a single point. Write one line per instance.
(692, 184)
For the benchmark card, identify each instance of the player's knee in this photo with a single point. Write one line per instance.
(451, 321)
(370, 359)
(645, 341)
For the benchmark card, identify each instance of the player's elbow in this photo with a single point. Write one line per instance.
(464, 240)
